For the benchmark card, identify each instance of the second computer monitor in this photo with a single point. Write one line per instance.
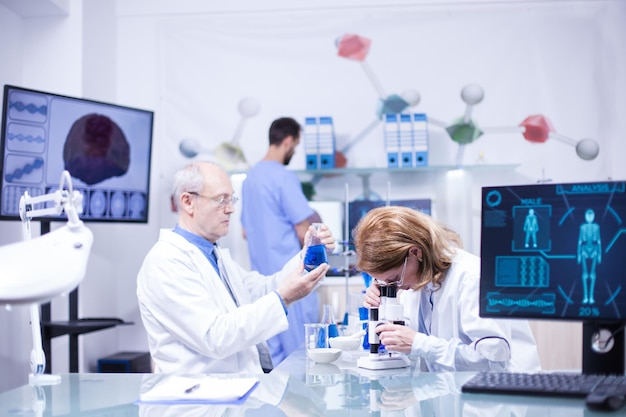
(554, 251)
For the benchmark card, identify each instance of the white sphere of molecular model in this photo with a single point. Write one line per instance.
(412, 97)
(190, 147)
(472, 94)
(587, 149)
(248, 107)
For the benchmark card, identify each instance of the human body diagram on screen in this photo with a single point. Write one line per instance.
(558, 252)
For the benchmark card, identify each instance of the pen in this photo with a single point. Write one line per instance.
(192, 389)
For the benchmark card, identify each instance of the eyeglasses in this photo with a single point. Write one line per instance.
(221, 201)
(393, 283)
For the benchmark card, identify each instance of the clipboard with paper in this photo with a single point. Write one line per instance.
(176, 389)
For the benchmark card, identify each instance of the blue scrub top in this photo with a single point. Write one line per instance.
(272, 203)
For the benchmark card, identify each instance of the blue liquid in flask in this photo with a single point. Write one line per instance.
(322, 340)
(315, 256)
(333, 330)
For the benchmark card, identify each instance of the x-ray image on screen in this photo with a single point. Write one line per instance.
(554, 251)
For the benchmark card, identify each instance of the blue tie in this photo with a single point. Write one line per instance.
(264, 353)
(222, 273)
(213, 259)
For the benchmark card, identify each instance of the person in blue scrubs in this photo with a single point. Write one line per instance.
(275, 216)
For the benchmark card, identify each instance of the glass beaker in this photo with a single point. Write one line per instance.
(315, 335)
(357, 317)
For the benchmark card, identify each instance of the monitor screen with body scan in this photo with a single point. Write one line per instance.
(558, 252)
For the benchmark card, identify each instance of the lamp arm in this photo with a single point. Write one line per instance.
(64, 200)
(37, 356)
(72, 203)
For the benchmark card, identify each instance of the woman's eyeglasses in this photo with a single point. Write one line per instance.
(397, 283)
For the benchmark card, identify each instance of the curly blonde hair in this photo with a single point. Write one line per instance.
(384, 236)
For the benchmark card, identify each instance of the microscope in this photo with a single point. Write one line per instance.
(389, 310)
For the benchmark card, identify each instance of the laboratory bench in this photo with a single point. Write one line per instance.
(297, 387)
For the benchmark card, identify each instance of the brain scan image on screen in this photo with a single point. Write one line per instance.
(97, 203)
(118, 204)
(96, 149)
(137, 205)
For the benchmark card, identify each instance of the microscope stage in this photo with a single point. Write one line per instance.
(383, 362)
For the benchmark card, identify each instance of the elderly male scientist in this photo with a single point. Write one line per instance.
(204, 313)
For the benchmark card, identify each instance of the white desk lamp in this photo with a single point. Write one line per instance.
(36, 270)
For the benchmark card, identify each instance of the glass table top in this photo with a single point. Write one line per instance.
(297, 387)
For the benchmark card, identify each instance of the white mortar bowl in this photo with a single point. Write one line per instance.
(345, 342)
(324, 355)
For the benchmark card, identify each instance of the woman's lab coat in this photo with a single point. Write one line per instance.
(460, 340)
(193, 324)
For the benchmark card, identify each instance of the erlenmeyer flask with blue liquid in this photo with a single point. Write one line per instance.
(316, 250)
(328, 317)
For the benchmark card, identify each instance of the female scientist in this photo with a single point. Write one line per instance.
(411, 250)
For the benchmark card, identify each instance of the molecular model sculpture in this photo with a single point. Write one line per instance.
(228, 154)
(534, 128)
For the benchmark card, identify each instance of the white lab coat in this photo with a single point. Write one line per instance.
(460, 340)
(193, 324)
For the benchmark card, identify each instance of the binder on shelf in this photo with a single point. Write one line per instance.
(420, 139)
(392, 147)
(175, 389)
(310, 142)
(326, 137)
(319, 143)
(405, 140)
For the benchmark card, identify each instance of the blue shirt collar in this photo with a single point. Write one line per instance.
(205, 246)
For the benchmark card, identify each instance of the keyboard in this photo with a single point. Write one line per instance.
(545, 384)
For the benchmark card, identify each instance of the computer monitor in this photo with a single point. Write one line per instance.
(558, 252)
(358, 208)
(105, 147)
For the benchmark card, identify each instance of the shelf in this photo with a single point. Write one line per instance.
(337, 281)
(72, 328)
(316, 175)
(377, 170)
(80, 326)
(429, 168)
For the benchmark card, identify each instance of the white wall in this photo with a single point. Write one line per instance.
(41, 52)
(15, 322)
(122, 52)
